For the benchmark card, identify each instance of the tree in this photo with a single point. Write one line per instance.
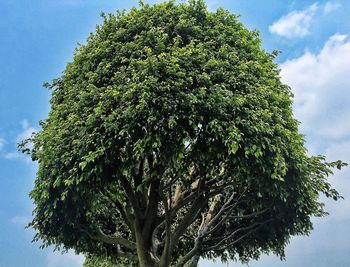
(99, 261)
(171, 137)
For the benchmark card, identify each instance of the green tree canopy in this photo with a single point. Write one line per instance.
(171, 137)
(103, 261)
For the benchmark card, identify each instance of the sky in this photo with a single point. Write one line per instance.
(38, 38)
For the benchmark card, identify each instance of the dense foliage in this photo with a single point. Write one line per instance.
(171, 137)
(105, 261)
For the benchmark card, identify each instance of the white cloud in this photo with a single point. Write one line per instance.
(21, 220)
(69, 259)
(340, 210)
(330, 7)
(295, 23)
(321, 85)
(14, 155)
(2, 142)
(25, 134)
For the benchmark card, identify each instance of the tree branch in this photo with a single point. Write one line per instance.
(138, 175)
(188, 219)
(127, 255)
(188, 196)
(166, 254)
(251, 229)
(131, 197)
(227, 207)
(155, 240)
(121, 209)
(203, 226)
(190, 254)
(152, 208)
(112, 240)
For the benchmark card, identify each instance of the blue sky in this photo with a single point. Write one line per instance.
(38, 38)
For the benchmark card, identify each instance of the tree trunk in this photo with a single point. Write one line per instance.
(143, 255)
(194, 262)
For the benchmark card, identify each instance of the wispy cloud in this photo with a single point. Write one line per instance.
(295, 23)
(56, 259)
(21, 220)
(2, 142)
(26, 132)
(330, 7)
(14, 155)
